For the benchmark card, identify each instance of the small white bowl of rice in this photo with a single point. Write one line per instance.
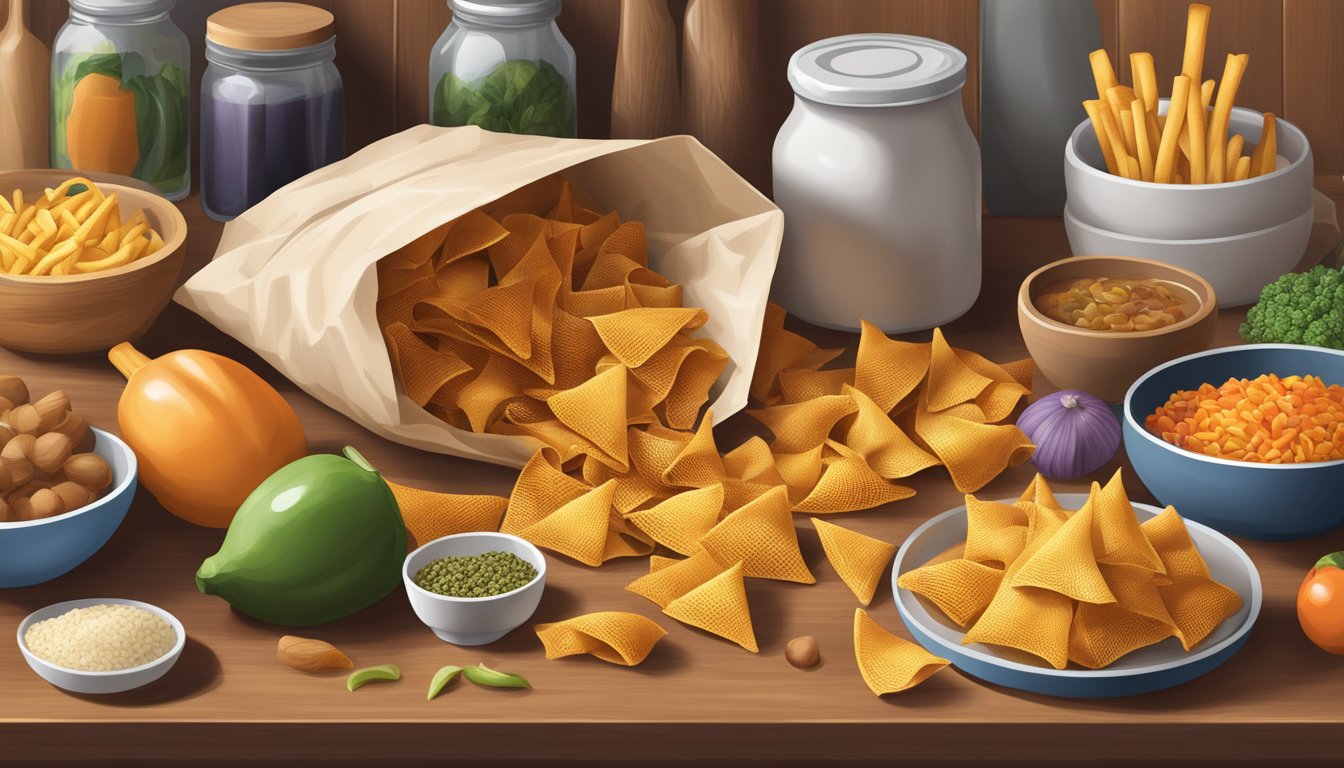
(101, 645)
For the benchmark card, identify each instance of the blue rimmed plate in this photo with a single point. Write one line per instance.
(1153, 668)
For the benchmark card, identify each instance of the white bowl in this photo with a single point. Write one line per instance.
(1185, 211)
(79, 681)
(1237, 267)
(474, 620)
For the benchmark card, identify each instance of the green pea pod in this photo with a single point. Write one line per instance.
(370, 674)
(493, 678)
(441, 680)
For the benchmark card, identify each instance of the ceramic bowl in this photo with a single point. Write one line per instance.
(78, 681)
(1152, 668)
(474, 620)
(1185, 211)
(1105, 363)
(34, 551)
(1238, 267)
(1271, 502)
(77, 314)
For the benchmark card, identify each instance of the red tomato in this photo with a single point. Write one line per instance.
(1320, 605)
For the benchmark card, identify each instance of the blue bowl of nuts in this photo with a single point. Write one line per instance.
(65, 487)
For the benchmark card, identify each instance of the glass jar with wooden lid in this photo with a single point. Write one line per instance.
(271, 102)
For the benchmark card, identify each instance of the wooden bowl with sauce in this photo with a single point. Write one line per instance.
(88, 313)
(1105, 362)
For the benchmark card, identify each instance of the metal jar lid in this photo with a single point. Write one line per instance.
(876, 70)
(110, 8)
(505, 12)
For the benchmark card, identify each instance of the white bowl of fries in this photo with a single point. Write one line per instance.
(1191, 211)
(83, 268)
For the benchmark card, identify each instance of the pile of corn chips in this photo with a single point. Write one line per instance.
(537, 316)
(1088, 586)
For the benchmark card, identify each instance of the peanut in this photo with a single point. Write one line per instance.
(52, 408)
(13, 389)
(74, 427)
(89, 470)
(50, 452)
(20, 447)
(802, 652)
(46, 503)
(21, 509)
(73, 494)
(25, 420)
(6, 513)
(309, 655)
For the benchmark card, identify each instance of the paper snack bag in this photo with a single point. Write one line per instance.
(294, 278)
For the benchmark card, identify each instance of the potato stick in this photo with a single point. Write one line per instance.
(1234, 147)
(63, 250)
(1179, 179)
(1164, 167)
(110, 242)
(82, 212)
(1194, 136)
(71, 204)
(137, 218)
(1094, 109)
(1102, 72)
(42, 241)
(1117, 140)
(94, 254)
(44, 220)
(1206, 93)
(1143, 146)
(25, 217)
(68, 219)
(5, 207)
(138, 247)
(6, 221)
(1196, 37)
(1222, 114)
(133, 232)
(1135, 172)
(22, 250)
(1119, 99)
(1267, 150)
(41, 202)
(29, 232)
(1243, 169)
(121, 257)
(155, 243)
(21, 265)
(113, 221)
(95, 222)
(18, 201)
(64, 188)
(1145, 79)
(1154, 132)
(1127, 128)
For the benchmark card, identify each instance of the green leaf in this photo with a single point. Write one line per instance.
(518, 96)
(1332, 560)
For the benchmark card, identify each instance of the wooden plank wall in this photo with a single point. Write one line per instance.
(1297, 60)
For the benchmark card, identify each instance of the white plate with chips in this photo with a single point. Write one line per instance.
(1147, 669)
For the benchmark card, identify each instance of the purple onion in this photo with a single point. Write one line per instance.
(1075, 433)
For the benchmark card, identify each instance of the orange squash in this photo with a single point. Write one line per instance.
(205, 429)
(101, 132)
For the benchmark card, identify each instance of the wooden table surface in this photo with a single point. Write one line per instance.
(696, 696)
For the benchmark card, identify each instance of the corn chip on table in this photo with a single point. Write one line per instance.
(697, 696)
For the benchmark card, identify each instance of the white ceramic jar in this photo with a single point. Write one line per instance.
(878, 176)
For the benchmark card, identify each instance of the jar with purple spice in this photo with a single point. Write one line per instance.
(271, 107)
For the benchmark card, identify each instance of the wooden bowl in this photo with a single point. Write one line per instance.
(76, 314)
(1105, 363)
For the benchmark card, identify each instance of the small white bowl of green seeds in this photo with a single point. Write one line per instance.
(474, 588)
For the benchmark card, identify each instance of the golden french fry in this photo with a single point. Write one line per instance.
(1145, 79)
(1117, 139)
(6, 221)
(5, 207)
(1154, 130)
(1127, 128)
(1264, 159)
(132, 233)
(19, 249)
(1216, 146)
(1196, 37)
(1141, 143)
(1167, 151)
(1179, 179)
(1243, 169)
(1102, 71)
(61, 234)
(1119, 98)
(1135, 172)
(155, 243)
(122, 257)
(1194, 131)
(1206, 93)
(1234, 147)
(18, 201)
(1094, 109)
(62, 251)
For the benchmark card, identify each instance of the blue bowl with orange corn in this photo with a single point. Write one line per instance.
(1248, 440)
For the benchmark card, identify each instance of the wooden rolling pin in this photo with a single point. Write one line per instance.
(722, 87)
(25, 76)
(646, 95)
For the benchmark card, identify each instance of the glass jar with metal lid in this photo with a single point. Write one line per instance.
(119, 93)
(878, 176)
(271, 102)
(503, 65)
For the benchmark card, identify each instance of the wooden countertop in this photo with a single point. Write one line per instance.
(695, 697)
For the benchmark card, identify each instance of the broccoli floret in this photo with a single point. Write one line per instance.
(1306, 308)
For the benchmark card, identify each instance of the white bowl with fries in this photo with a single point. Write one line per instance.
(1191, 211)
(121, 275)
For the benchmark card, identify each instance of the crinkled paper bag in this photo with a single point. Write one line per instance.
(294, 277)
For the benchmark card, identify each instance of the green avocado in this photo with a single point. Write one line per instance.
(320, 539)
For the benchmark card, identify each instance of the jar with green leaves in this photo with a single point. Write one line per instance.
(504, 66)
(119, 93)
